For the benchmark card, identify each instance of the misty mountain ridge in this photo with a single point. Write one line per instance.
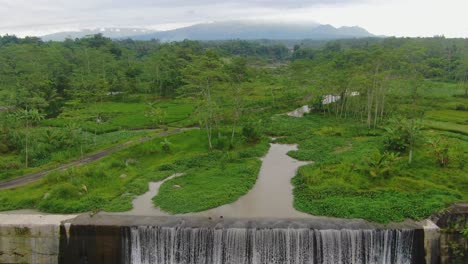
(256, 30)
(112, 32)
(227, 31)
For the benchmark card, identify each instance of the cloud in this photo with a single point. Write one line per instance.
(396, 17)
(17, 16)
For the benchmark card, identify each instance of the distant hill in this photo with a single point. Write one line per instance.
(114, 33)
(226, 31)
(250, 31)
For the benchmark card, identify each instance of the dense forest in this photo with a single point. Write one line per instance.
(44, 76)
(394, 135)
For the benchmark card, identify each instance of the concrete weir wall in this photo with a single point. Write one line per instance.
(30, 238)
(133, 239)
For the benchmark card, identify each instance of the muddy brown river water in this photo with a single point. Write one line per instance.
(271, 196)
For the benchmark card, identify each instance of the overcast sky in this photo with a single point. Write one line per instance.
(382, 17)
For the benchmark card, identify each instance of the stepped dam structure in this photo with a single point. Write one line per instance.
(193, 240)
(101, 238)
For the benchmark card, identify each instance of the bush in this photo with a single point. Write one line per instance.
(461, 107)
(4, 148)
(115, 163)
(166, 145)
(221, 143)
(395, 139)
(380, 165)
(330, 131)
(250, 134)
(440, 148)
(167, 167)
(400, 133)
(9, 165)
(65, 191)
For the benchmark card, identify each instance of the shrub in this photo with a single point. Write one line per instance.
(9, 165)
(115, 163)
(221, 143)
(166, 145)
(401, 134)
(65, 191)
(440, 148)
(461, 107)
(380, 165)
(395, 139)
(167, 167)
(330, 131)
(250, 134)
(4, 148)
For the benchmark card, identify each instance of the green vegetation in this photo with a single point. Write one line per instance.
(118, 115)
(352, 176)
(54, 148)
(389, 144)
(221, 180)
(113, 183)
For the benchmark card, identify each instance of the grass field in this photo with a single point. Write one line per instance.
(222, 179)
(338, 183)
(120, 122)
(116, 115)
(448, 120)
(12, 164)
(113, 182)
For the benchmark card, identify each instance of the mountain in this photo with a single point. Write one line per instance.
(252, 30)
(225, 31)
(115, 33)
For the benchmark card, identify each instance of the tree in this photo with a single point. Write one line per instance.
(462, 72)
(29, 117)
(237, 71)
(202, 78)
(413, 132)
(403, 134)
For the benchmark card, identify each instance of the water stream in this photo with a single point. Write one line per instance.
(143, 204)
(271, 196)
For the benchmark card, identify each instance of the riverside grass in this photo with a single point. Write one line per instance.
(337, 184)
(102, 186)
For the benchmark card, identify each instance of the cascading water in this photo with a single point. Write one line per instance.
(153, 244)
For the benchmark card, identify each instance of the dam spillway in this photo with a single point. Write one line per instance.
(154, 240)
(114, 239)
(151, 245)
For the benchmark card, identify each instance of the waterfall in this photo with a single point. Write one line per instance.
(154, 245)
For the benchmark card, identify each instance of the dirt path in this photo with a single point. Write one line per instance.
(85, 160)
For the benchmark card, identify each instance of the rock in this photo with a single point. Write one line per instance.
(123, 176)
(176, 186)
(300, 111)
(129, 162)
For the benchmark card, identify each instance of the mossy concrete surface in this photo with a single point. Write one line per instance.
(30, 238)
